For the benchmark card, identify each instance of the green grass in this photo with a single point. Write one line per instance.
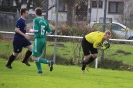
(5, 46)
(67, 51)
(64, 52)
(22, 76)
(127, 59)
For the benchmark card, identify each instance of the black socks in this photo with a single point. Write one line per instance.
(91, 59)
(27, 55)
(11, 59)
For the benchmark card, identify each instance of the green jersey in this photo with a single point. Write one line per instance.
(42, 26)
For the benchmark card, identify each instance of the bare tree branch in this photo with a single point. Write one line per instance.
(19, 4)
(52, 7)
(28, 4)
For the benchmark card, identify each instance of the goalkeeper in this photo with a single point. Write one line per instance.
(90, 45)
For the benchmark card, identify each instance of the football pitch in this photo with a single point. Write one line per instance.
(66, 51)
(22, 76)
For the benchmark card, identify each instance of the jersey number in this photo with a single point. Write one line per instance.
(42, 30)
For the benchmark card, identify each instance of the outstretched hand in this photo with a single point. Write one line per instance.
(105, 45)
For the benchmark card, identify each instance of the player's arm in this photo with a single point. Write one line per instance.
(48, 31)
(103, 46)
(33, 30)
(21, 33)
(17, 29)
(29, 27)
(98, 42)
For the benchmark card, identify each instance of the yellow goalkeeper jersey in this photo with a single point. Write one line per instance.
(95, 38)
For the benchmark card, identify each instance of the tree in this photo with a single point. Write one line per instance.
(79, 6)
(35, 3)
(18, 4)
(7, 5)
(126, 17)
(70, 8)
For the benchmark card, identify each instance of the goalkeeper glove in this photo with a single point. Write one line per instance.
(106, 44)
(103, 47)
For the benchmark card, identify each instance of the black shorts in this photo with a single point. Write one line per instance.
(19, 43)
(88, 48)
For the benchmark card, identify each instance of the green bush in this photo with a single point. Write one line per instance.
(79, 30)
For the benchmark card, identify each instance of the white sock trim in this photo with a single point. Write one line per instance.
(38, 59)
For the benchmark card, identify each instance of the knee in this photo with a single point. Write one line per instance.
(34, 58)
(95, 55)
(86, 57)
(15, 54)
(30, 48)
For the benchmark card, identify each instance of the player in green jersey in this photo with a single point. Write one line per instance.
(40, 28)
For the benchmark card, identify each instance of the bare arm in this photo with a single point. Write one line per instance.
(32, 30)
(98, 47)
(21, 33)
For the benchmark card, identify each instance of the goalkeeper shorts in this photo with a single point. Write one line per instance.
(88, 48)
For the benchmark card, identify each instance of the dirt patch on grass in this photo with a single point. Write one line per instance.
(59, 45)
(114, 54)
(120, 51)
(123, 52)
(5, 39)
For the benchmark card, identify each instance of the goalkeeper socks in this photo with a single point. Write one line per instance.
(83, 65)
(27, 55)
(41, 60)
(91, 59)
(11, 59)
(38, 65)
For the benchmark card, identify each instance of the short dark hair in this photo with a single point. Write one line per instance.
(23, 10)
(38, 11)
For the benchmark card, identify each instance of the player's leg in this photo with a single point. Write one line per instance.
(44, 60)
(11, 59)
(49, 62)
(84, 62)
(86, 48)
(17, 47)
(35, 56)
(28, 45)
(38, 65)
(92, 58)
(94, 55)
(37, 51)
